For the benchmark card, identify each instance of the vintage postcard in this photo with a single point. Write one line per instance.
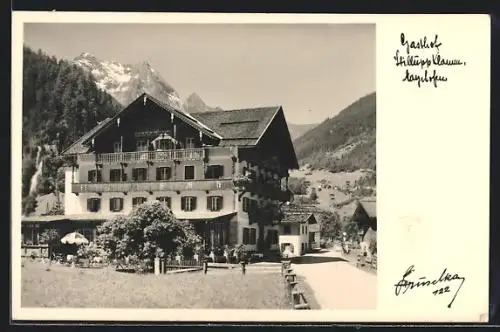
(250, 167)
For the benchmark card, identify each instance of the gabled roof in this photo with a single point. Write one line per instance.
(370, 207)
(241, 126)
(298, 214)
(80, 145)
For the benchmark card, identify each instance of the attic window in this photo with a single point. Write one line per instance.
(239, 122)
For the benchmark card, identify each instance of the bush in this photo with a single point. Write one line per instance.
(149, 230)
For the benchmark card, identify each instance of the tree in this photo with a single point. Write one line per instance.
(29, 204)
(297, 186)
(331, 227)
(146, 231)
(314, 195)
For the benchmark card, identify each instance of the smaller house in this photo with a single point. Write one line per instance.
(299, 230)
(366, 217)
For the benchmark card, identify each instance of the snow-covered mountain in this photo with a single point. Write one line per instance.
(125, 82)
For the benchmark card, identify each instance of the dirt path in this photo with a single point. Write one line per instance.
(336, 283)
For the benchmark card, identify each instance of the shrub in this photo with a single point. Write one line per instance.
(148, 230)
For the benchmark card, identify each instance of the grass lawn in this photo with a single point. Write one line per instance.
(105, 288)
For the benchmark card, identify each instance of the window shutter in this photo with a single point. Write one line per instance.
(221, 200)
(209, 206)
(111, 204)
(99, 176)
(158, 174)
(89, 204)
(120, 204)
(89, 176)
(98, 205)
(193, 203)
(183, 203)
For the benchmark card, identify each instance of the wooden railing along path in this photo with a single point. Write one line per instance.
(296, 296)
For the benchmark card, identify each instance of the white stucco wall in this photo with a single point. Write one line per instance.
(294, 240)
(71, 201)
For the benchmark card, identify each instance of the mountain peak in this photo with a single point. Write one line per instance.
(125, 82)
(86, 55)
(195, 98)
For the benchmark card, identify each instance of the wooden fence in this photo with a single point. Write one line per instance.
(167, 265)
(292, 291)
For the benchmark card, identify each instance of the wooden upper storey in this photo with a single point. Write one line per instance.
(149, 130)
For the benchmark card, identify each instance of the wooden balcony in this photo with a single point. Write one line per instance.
(138, 156)
(152, 186)
(267, 190)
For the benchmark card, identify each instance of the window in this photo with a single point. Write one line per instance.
(190, 143)
(245, 204)
(136, 201)
(214, 172)
(164, 144)
(188, 203)
(165, 201)
(142, 145)
(214, 203)
(273, 236)
(188, 172)
(117, 147)
(93, 204)
(116, 204)
(30, 235)
(253, 236)
(115, 175)
(246, 235)
(163, 173)
(139, 174)
(94, 176)
(287, 230)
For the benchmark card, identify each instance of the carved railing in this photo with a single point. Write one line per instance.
(137, 156)
(152, 186)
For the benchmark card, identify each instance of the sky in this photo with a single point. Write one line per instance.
(312, 70)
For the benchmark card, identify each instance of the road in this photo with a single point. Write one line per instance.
(336, 283)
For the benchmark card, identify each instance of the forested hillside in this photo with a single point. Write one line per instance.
(345, 142)
(60, 103)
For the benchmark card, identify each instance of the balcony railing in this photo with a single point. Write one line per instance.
(152, 186)
(268, 190)
(125, 157)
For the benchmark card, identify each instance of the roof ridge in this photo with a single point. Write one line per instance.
(240, 109)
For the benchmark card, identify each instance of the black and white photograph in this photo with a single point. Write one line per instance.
(199, 166)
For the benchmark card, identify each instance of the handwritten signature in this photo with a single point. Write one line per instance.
(405, 285)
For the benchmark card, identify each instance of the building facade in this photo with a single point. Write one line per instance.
(224, 171)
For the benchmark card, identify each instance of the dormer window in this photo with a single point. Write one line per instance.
(164, 144)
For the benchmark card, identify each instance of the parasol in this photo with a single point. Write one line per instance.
(74, 238)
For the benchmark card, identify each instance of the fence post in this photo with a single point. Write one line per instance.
(205, 267)
(157, 265)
